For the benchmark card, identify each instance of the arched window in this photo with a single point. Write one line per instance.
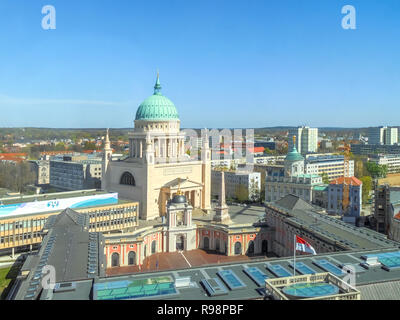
(115, 260)
(180, 242)
(132, 258)
(127, 179)
(264, 246)
(250, 249)
(217, 245)
(206, 243)
(238, 248)
(153, 246)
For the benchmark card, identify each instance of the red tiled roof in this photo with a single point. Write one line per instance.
(91, 151)
(13, 154)
(256, 149)
(53, 153)
(349, 180)
(397, 216)
(14, 159)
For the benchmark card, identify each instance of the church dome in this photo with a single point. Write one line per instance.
(294, 155)
(179, 198)
(157, 107)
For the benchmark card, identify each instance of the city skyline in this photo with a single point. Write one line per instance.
(263, 64)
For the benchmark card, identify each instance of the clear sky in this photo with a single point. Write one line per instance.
(235, 63)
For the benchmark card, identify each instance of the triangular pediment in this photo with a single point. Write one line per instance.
(183, 184)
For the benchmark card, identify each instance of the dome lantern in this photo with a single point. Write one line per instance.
(157, 107)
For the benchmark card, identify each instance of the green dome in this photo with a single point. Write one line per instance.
(294, 155)
(157, 107)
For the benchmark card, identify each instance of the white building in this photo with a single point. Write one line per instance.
(293, 182)
(233, 179)
(332, 165)
(383, 135)
(392, 161)
(306, 137)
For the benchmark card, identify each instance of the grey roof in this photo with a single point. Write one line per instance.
(238, 214)
(366, 279)
(292, 202)
(389, 290)
(67, 246)
(394, 196)
(332, 229)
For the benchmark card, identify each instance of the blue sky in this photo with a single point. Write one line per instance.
(237, 63)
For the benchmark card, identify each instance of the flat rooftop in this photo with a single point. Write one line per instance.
(239, 285)
(49, 196)
(238, 214)
(349, 236)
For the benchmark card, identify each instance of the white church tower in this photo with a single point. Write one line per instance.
(107, 155)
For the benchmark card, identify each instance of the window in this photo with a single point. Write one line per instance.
(127, 179)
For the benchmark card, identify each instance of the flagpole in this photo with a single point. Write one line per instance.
(294, 255)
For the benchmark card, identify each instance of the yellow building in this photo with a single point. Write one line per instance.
(157, 164)
(22, 219)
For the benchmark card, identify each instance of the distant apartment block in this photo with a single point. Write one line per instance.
(383, 135)
(271, 145)
(306, 139)
(75, 175)
(233, 180)
(371, 149)
(326, 144)
(392, 161)
(332, 165)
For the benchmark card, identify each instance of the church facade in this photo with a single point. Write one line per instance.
(180, 233)
(157, 164)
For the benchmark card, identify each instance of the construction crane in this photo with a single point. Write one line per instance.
(346, 182)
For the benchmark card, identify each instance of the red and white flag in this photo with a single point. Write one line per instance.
(304, 246)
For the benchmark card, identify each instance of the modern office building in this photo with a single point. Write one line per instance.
(392, 161)
(22, 218)
(331, 165)
(75, 174)
(371, 149)
(383, 135)
(251, 181)
(306, 139)
(271, 145)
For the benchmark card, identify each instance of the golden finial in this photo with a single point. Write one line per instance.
(179, 192)
(294, 140)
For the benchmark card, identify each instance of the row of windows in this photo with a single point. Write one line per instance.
(21, 237)
(116, 222)
(22, 224)
(112, 211)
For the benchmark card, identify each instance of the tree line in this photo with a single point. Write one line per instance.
(16, 177)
